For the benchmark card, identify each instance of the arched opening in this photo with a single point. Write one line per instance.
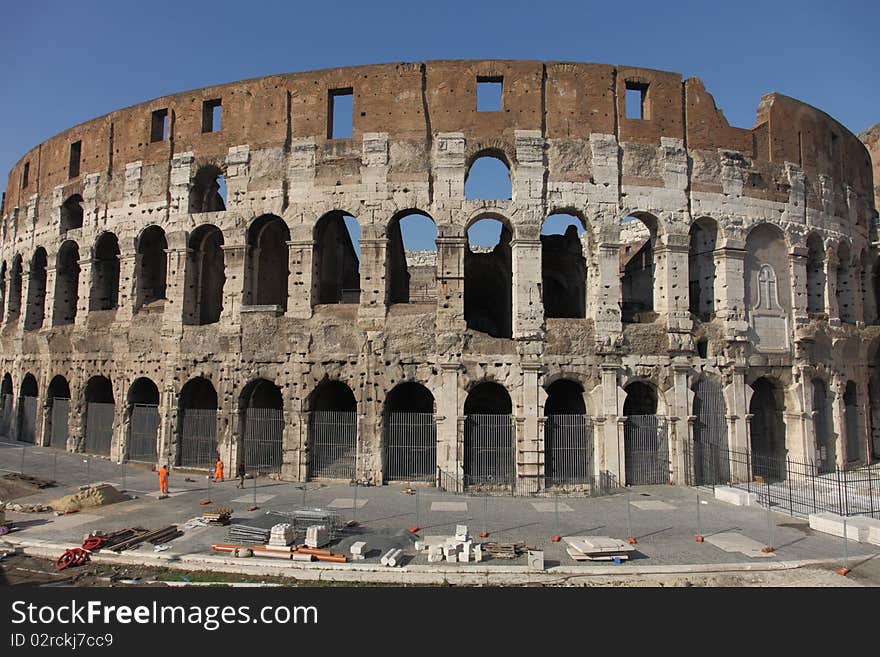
(846, 306)
(412, 259)
(71, 213)
(197, 424)
(205, 275)
(266, 270)
(6, 406)
(100, 412)
(262, 409)
(767, 429)
(336, 275)
(152, 265)
(207, 191)
(851, 413)
(488, 278)
(701, 268)
(26, 429)
(410, 434)
(143, 421)
(815, 274)
(563, 267)
(36, 301)
(58, 402)
(14, 305)
(332, 432)
(568, 435)
(488, 178)
(638, 237)
(711, 456)
(875, 283)
(826, 451)
(489, 439)
(66, 284)
(645, 442)
(104, 293)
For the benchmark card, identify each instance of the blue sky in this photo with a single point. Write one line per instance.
(62, 63)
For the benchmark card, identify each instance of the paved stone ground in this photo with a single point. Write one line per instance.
(663, 519)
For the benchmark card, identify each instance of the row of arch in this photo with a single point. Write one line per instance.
(487, 281)
(332, 405)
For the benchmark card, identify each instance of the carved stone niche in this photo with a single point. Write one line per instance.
(768, 320)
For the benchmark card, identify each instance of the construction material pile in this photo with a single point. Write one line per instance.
(452, 549)
(505, 550)
(283, 534)
(302, 519)
(285, 552)
(358, 550)
(247, 534)
(90, 497)
(218, 516)
(597, 548)
(317, 536)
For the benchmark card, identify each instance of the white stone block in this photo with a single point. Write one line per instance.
(857, 527)
(358, 548)
(735, 496)
(478, 552)
(461, 533)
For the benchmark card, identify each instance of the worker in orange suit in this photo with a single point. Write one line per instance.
(163, 481)
(218, 470)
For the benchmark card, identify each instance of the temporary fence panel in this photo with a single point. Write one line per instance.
(60, 413)
(99, 428)
(710, 433)
(568, 449)
(198, 438)
(6, 412)
(332, 444)
(27, 419)
(646, 449)
(143, 433)
(263, 439)
(410, 447)
(489, 450)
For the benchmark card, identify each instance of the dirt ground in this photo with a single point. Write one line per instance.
(12, 486)
(20, 569)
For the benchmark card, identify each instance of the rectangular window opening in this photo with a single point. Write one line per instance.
(489, 93)
(636, 97)
(75, 154)
(25, 174)
(340, 113)
(211, 115)
(159, 125)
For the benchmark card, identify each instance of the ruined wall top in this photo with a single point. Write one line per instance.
(412, 102)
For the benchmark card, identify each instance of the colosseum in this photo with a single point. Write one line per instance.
(226, 271)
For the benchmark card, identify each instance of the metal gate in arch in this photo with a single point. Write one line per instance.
(410, 447)
(332, 445)
(263, 439)
(568, 450)
(27, 419)
(489, 450)
(59, 431)
(646, 450)
(143, 433)
(99, 428)
(711, 459)
(197, 438)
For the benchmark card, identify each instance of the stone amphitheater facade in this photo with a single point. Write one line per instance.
(742, 312)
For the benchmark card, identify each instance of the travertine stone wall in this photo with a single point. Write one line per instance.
(564, 134)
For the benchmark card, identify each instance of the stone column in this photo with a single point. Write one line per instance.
(299, 283)
(84, 292)
(798, 263)
(25, 313)
(671, 282)
(177, 255)
(531, 466)
(450, 284)
(679, 436)
(234, 261)
(371, 312)
(129, 263)
(831, 305)
(528, 310)
(448, 458)
(608, 321)
(730, 288)
(612, 422)
(838, 417)
(795, 435)
(738, 421)
(49, 300)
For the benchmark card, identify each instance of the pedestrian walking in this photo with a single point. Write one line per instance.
(163, 482)
(218, 470)
(241, 474)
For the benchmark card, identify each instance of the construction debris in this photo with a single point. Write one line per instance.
(126, 539)
(452, 549)
(392, 557)
(505, 550)
(36, 482)
(301, 519)
(92, 496)
(290, 553)
(247, 534)
(358, 551)
(597, 548)
(218, 516)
